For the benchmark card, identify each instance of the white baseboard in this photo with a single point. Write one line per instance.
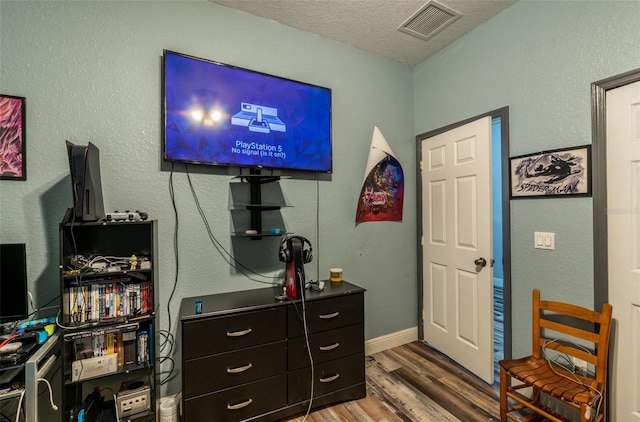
(388, 341)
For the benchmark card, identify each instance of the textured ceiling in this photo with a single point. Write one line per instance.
(372, 25)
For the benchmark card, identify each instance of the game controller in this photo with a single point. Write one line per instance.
(126, 216)
(317, 286)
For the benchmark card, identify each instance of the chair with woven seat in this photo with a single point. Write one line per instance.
(561, 332)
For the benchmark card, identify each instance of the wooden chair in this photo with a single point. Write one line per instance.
(560, 331)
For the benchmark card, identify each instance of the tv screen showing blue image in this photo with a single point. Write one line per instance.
(219, 114)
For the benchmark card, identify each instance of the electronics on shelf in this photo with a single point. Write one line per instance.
(93, 367)
(86, 184)
(133, 398)
(99, 263)
(107, 318)
(126, 216)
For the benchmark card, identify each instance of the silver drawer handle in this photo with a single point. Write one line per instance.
(239, 369)
(239, 405)
(239, 333)
(330, 347)
(329, 316)
(331, 378)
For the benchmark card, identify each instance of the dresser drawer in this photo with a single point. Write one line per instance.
(325, 346)
(224, 370)
(238, 403)
(327, 314)
(328, 377)
(208, 336)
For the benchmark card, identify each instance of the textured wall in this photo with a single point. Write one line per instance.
(539, 58)
(91, 72)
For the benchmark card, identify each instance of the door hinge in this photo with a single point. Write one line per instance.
(421, 167)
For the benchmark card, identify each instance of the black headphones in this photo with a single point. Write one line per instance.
(285, 254)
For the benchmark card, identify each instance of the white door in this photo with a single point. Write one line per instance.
(623, 215)
(457, 231)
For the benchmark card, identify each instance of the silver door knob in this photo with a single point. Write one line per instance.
(480, 262)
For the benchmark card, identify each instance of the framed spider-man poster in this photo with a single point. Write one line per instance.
(561, 172)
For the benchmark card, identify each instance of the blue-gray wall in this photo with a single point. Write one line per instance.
(91, 72)
(539, 58)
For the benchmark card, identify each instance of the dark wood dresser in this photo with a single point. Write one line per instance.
(245, 356)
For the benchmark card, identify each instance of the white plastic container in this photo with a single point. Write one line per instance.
(169, 410)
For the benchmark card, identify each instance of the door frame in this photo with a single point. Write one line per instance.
(599, 184)
(503, 114)
(599, 180)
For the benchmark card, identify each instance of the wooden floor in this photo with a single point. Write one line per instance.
(416, 383)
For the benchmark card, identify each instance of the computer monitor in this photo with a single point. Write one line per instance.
(13, 282)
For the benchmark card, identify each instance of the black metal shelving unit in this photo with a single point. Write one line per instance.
(108, 282)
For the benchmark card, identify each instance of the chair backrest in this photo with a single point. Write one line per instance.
(572, 331)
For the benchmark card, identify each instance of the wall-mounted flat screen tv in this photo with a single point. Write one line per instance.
(224, 115)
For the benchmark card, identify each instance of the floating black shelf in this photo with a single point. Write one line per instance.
(255, 206)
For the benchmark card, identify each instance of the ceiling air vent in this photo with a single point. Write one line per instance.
(429, 20)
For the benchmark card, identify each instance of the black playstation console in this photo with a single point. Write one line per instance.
(86, 184)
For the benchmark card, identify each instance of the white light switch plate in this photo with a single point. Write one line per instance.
(544, 240)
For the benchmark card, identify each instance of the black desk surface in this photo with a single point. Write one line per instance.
(221, 303)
